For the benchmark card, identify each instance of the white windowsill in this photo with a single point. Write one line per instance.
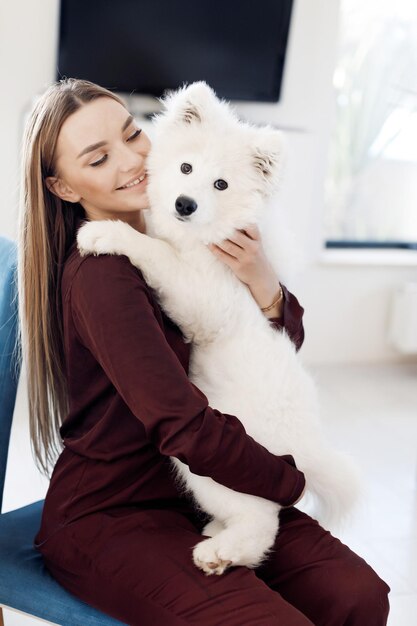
(356, 256)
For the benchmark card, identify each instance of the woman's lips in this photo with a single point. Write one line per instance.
(138, 185)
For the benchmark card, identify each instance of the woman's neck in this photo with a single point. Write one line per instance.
(135, 220)
(138, 222)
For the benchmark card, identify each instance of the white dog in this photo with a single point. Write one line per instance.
(210, 173)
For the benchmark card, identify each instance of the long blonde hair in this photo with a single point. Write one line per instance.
(46, 229)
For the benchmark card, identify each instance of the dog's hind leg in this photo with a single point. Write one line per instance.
(213, 528)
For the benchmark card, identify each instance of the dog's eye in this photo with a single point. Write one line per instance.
(221, 184)
(186, 168)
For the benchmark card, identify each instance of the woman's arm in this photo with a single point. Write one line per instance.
(291, 318)
(244, 254)
(113, 314)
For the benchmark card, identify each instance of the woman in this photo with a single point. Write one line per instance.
(107, 370)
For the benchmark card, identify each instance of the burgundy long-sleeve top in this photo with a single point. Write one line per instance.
(132, 405)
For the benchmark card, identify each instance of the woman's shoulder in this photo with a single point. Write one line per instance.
(98, 271)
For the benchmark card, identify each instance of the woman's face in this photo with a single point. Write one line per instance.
(100, 150)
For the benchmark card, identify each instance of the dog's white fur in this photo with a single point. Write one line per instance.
(243, 365)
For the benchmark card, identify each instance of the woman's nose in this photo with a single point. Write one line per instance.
(129, 159)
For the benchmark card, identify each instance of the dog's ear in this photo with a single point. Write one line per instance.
(190, 104)
(268, 157)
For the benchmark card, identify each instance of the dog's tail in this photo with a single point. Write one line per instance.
(336, 486)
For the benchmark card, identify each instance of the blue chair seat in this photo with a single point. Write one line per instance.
(22, 569)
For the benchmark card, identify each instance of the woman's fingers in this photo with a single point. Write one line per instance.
(244, 254)
(225, 256)
(252, 231)
(241, 241)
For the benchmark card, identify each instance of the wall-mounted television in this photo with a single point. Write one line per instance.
(148, 46)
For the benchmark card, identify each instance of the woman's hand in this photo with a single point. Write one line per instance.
(244, 254)
(298, 499)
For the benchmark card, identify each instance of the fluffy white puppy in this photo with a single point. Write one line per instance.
(210, 173)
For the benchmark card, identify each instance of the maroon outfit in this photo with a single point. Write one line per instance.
(117, 532)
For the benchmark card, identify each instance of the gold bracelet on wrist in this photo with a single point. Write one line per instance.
(279, 298)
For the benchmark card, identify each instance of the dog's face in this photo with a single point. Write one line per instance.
(208, 171)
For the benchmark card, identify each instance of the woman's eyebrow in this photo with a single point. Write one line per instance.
(99, 144)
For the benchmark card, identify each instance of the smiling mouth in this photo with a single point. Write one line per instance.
(134, 183)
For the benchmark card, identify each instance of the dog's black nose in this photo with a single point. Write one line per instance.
(185, 205)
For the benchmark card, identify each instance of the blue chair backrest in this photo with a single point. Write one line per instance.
(10, 360)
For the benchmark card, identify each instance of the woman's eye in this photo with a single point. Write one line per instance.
(135, 134)
(221, 184)
(186, 168)
(99, 162)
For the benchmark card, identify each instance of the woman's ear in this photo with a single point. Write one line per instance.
(61, 189)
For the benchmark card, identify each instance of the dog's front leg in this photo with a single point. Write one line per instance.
(152, 256)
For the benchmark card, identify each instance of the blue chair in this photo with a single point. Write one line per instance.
(25, 583)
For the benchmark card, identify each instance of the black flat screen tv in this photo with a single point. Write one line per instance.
(148, 46)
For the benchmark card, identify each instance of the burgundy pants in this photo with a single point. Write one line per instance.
(136, 566)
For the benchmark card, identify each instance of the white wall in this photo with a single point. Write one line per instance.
(28, 34)
(346, 305)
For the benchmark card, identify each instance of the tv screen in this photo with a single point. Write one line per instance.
(147, 46)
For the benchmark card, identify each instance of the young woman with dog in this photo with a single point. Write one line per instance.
(110, 396)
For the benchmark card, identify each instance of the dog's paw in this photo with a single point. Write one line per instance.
(104, 237)
(231, 547)
(207, 557)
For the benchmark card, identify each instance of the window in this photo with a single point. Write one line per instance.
(371, 181)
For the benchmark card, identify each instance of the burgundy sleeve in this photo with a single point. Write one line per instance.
(115, 319)
(291, 319)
